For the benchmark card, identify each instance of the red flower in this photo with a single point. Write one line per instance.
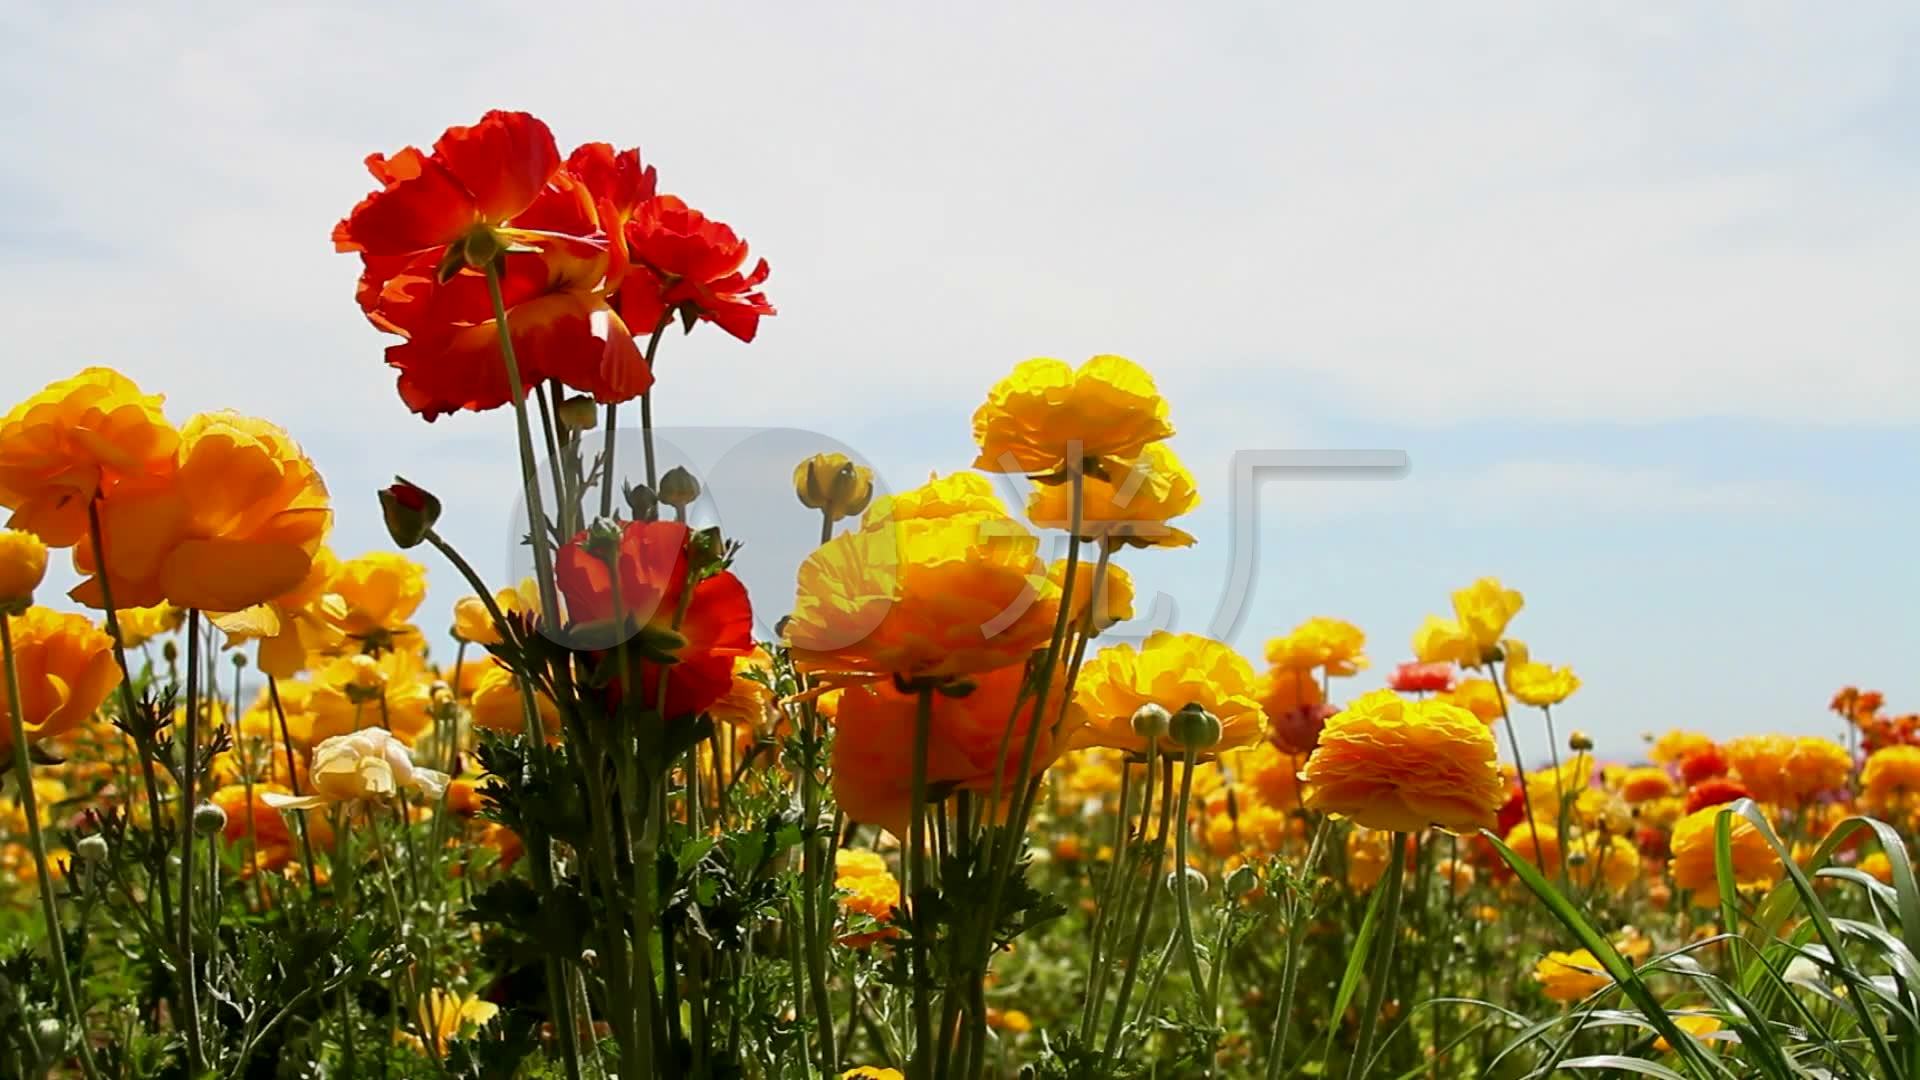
(679, 260)
(1297, 731)
(1514, 810)
(1652, 842)
(619, 183)
(1413, 677)
(1703, 765)
(1715, 791)
(493, 191)
(715, 626)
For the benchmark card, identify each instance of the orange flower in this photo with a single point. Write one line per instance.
(382, 590)
(1045, 411)
(928, 587)
(703, 624)
(1786, 770)
(1674, 746)
(681, 261)
(749, 700)
(438, 219)
(1131, 504)
(77, 439)
(293, 627)
(66, 670)
(1116, 593)
(874, 731)
(1171, 671)
(1890, 783)
(870, 890)
(1642, 784)
(236, 524)
(1692, 864)
(1390, 763)
(497, 704)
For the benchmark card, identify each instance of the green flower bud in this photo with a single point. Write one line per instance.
(91, 849)
(1150, 721)
(1194, 727)
(410, 511)
(208, 819)
(678, 488)
(1242, 881)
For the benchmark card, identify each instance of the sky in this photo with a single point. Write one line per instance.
(1630, 286)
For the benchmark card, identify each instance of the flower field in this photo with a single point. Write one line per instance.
(264, 817)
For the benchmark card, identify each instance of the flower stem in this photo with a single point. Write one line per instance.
(29, 805)
(1389, 934)
(922, 1060)
(1184, 903)
(1520, 771)
(1146, 909)
(1296, 938)
(606, 452)
(189, 777)
(529, 468)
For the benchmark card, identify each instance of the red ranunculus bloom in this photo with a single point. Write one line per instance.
(716, 625)
(1715, 791)
(1411, 678)
(619, 183)
(497, 185)
(1703, 765)
(680, 260)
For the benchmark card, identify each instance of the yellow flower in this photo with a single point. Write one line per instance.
(23, 566)
(66, 669)
(1890, 783)
(1367, 853)
(1478, 696)
(1877, 866)
(446, 1016)
(749, 700)
(1693, 1024)
(1443, 641)
(1116, 593)
(946, 496)
(833, 485)
(1391, 763)
(1045, 413)
(1644, 783)
(75, 440)
(292, 627)
(392, 690)
(1673, 746)
(140, 625)
(1010, 1020)
(1786, 770)
(1537, 842)
(1692, 862)
(362, 766)
(1600, 859)
(1484, 609)
(382, 590)
(1320, 642)
(1536, 684)
(1130, 504)
(1570, 976)
(1169, 670)
(872, 1072)
(237, 523)
(498, 706)
(915, 596)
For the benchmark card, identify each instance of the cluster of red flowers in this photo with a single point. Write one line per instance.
(579, 254)
(1862, 709)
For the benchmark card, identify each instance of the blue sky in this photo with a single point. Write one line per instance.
(1631, 288)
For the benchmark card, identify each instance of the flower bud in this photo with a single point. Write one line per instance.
(1580, 741)
(91, 849)
(410, 512)
(1194, 727)
(678, 488)
(579, 414)
(208, 819)
(1195, 880)
(1150, 721)
(833, 485)
(642, 503)
(170, 652)
(48, 1031)
(1242, 881)
(23, 565)
(239, 661)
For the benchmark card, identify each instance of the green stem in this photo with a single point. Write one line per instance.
(1146, 912)
(1301, 912)
(29, 805)
(1096, 971)
(606, 453)
(922, 1060)
(1389, 934)
(189, 778)
(1183, 902)
(1520, 770)
(529, 467)
(293, 781)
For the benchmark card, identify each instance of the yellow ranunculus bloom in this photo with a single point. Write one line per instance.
(139, 625)
(393, 690)
(1131, 504)
(75, 440)
(237, 523)
(1692, 862)
(23, 566)
(1392, 763)
(1604, 860)
(497, 703)
(1037, 418)
(1890, 783)
(382, 590)
(940, 497)
(1169, 670)
(66, 670)
(1647, 782)
(362, 766)
(1536, 684)
(915, 595)
(1569, 977)
(1484, 609)
(1671, 747)
(1443, 641)
(1116, 592)
(1695, 1025)
(1320, 642)
(1478, 696)
(445, 1016)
